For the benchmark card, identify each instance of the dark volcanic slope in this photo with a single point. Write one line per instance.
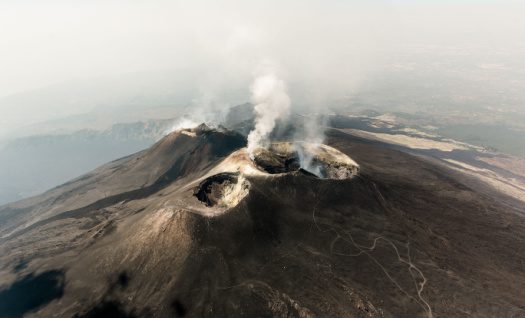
(137, 176)
(405, 238)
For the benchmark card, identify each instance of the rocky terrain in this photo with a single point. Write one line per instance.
(193, 227)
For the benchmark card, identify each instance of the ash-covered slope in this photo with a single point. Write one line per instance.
(137, 176)
(401, 238)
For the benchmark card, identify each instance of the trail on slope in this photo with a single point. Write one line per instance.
(419, 280)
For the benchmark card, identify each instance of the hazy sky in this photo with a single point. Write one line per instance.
(44, 42)
(112, 54)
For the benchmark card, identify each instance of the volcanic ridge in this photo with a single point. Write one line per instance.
(198, 226)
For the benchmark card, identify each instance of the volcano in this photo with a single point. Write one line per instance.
(195, 226)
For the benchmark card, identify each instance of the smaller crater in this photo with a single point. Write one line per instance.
(223, 190)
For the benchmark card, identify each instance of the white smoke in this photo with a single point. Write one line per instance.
(312, 133)
(183, 123)
(271, 103)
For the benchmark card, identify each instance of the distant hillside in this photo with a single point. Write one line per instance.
(31, 165)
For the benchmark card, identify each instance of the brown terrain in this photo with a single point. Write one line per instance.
(192, 228)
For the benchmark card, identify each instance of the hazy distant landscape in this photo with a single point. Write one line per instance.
(320, 158)
(133, 111)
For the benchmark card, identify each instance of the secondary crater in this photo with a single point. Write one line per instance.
(223, 190)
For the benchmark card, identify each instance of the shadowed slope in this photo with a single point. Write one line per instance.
(133, 177)
(403, 238)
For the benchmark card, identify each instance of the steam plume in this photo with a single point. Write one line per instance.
(183, 123)
(271, 103)
(311, 132)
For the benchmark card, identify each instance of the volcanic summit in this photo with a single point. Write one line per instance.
(196, 226)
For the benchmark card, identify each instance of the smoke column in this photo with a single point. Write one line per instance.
(312, 133)
(271, 103)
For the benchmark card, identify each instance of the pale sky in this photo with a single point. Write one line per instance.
(45, 42)
(60, 58)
